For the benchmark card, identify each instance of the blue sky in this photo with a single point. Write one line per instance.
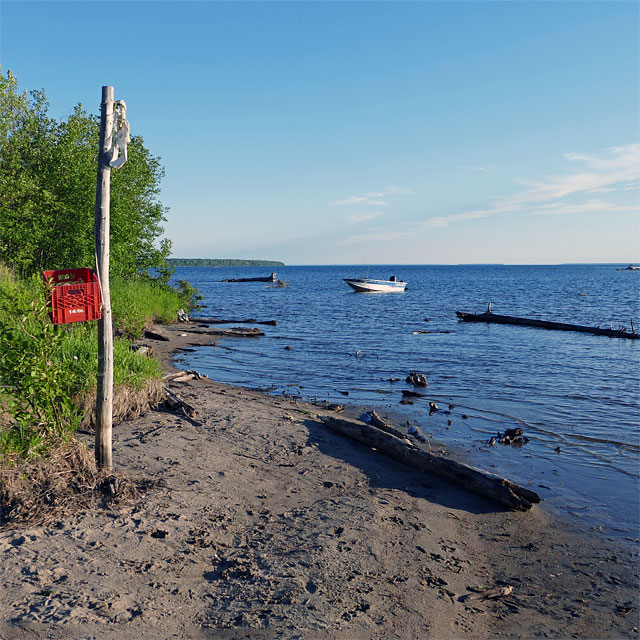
(364, 132)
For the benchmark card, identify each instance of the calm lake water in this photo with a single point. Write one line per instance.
(576, 396)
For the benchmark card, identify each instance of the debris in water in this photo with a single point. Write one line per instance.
(417, 379)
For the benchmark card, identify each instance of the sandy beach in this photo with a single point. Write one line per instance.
(259, 522)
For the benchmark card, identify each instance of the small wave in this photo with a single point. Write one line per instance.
(614, 443)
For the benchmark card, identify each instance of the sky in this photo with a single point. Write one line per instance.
(364, 132)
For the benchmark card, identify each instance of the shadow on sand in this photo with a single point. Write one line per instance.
(385, 472)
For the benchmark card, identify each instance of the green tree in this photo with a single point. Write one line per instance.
(137, 214)
(47, 191)
(26, 140)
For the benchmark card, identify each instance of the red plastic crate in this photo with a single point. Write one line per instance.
(75, 295)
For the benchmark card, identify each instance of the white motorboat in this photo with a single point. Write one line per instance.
(371, 285)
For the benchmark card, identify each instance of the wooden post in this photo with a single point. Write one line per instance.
(104, 400)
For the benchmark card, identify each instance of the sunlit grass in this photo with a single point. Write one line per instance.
(140, 302)
(44, 369)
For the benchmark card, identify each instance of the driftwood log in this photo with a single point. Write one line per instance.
(174, 401)
(475, 480)
(495, 318)
(490, 594)
(379, 423)
(273, 323)
(239, 332)
(156, 334)
(183, 376)
(271, 278)
(412, 394)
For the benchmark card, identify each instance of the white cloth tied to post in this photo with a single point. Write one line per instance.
(121, 136)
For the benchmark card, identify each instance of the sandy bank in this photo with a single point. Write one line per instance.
(264, 524)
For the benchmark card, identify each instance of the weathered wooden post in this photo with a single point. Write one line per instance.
(104, 400)
(111, 144)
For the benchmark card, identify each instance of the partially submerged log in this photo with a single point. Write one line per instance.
(238, 332)
(271, 278)
(495, 318)
(273, 323)
(475, 480)
(412, 394)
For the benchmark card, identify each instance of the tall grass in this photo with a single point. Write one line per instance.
(78, 355)
(45, 368)
(137, 303)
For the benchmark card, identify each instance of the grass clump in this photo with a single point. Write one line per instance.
(63, 481)
(78, 354)
(138, 303)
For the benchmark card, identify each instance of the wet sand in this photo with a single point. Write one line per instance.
(261, 523)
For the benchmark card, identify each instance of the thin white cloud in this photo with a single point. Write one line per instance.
(358, 200)
(618, 170)
(444, 221)
(390, 190)
(370, 198)
(363, 217)
(623, 159)
(374, 234)
(592, 206)
(484, 168)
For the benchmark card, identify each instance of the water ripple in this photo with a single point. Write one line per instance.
(575, 395)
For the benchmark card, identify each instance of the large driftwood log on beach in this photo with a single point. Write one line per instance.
(379, 423)
(475, 480)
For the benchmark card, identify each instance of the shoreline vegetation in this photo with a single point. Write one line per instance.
(48, 372)
(221, 262)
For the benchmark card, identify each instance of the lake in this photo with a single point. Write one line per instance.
(576, 396)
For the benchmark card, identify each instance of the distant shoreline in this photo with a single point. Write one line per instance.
(220, 262)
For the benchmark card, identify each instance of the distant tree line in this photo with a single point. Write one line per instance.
(215, 262)
(48, 172)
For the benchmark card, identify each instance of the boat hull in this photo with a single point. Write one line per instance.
(366, 285)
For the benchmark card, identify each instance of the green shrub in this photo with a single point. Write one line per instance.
(35, 384)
